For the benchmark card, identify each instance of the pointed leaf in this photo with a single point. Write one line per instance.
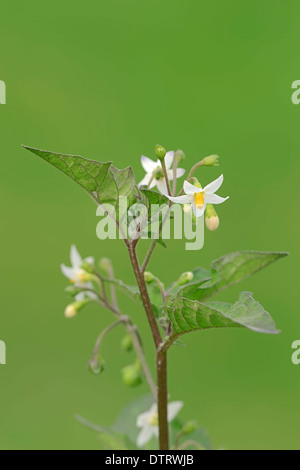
(131, 291)
(103, 182)
(229, 270)
(190, 315)
(152, 198)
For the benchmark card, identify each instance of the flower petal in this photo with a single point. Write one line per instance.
(215, 199)
(143, 419)
(182, 199)
(68, 272)
(214, 186)
(173, 409)
(76, 259)
(148, 164)
(153, 183)
(169, 157)
(145, 180)
(90, 260)
(179, 173)
(198, 212)
(162, 186)
(190, 188)
(145, 435)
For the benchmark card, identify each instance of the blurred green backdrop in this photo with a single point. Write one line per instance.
(108, 80)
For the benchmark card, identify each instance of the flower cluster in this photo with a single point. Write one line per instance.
(196, 199)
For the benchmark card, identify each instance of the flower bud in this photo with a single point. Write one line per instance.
(88, 267)
(189, 427)
(96, 365)
(131, 375)
(185, 278)
(84, 276)
(126, 343)
(195, 182)
(72, 309)
(179, 156)
(160, 152)
(105, 264)
(72, 290)
(211, 218)
(212, 160)
(148, 277)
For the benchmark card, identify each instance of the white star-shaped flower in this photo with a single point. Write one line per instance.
(148, 421)
(154, 172)
(77, 275)
(199, 197)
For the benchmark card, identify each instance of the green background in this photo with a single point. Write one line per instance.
(108, 80)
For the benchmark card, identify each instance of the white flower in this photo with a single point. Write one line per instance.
(199, 197)
(77, 275)
(154, 172)
(148, 421)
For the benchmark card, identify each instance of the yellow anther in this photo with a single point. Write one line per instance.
(199, 200)
(153, 420)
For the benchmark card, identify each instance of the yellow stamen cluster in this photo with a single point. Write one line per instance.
(153, 420)
(199, 200)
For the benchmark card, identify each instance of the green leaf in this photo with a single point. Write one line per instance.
(190, 315)
(229, 270)
(152, 198)
(102, 181)
(112, 441)
(131, 291)
(155, 296)
(160, 241)
(126, 422)
(200, 435)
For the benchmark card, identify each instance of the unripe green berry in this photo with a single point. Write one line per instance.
(126, 343)
(131, 375)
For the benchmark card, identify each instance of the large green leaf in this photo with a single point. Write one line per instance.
(103, 182)
(229, 270)
(190, 315)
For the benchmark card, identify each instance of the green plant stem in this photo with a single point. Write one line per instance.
(162, 399)
(193, 169)
(163, 164)
(104, 333)
(136, 341)
(113, 293)
(154, 242)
